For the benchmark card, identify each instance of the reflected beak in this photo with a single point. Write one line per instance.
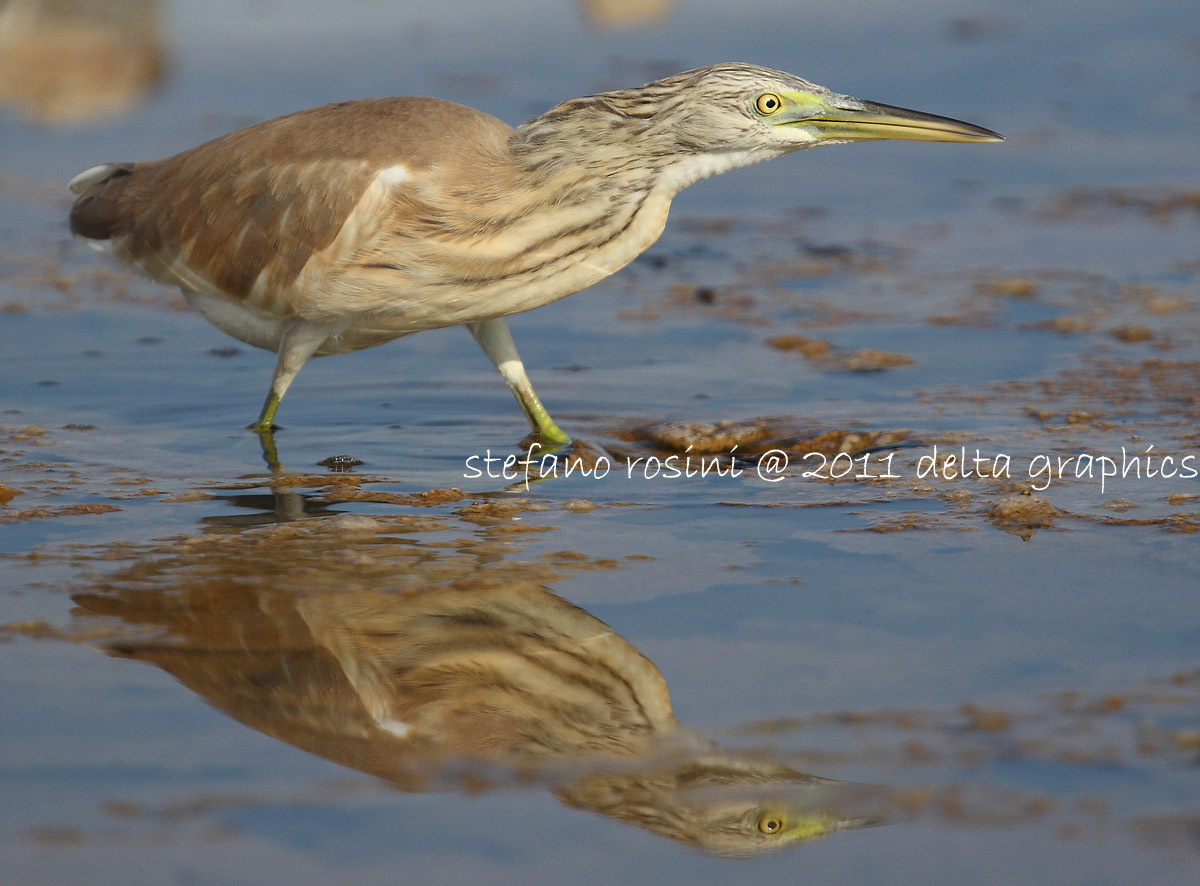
(839, 118)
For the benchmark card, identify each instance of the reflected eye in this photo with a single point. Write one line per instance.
(769, 823)
(768, 103)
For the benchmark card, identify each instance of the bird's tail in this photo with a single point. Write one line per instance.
(95, 214)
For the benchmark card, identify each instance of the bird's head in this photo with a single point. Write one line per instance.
(704, 121)
(734, 106)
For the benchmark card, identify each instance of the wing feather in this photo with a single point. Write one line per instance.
(264, 214)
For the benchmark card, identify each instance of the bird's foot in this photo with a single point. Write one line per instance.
(550, 436)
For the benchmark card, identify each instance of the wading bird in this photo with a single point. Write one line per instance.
(349, 225)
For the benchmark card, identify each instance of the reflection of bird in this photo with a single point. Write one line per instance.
(460, 687)
(725, 804)
(348, 225)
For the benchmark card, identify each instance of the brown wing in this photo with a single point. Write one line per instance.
(244, 214)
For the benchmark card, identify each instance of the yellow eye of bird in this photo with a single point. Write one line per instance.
(768, 103)
(769, 823)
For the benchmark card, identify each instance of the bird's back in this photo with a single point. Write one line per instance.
(243, 216)
(374, 219)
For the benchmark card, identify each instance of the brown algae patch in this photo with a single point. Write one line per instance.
(1013, 287)
(1023, 509)
(703, 438)
(823, 353)
(34, 486)
(753, 437)
(1088, 204)
(883, 523)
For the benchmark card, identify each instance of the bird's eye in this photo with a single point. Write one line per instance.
(768, 103)
(769, 823)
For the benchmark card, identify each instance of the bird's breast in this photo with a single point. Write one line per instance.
(449, 277)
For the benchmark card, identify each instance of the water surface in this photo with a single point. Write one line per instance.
(208, 669)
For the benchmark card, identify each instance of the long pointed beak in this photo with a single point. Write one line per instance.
(842, 118)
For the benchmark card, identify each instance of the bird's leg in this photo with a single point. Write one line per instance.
(495, 339)
(298, 342)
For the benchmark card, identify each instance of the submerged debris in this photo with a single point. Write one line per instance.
(1023, 509)
(1014, 287)
(821, 351)
(704, 437)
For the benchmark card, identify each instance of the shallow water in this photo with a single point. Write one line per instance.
(212, 673)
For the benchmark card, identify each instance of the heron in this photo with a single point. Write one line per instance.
(348, 225)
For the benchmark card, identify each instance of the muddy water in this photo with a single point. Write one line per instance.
(877, 548)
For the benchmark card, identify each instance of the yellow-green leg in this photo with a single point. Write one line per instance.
(266, 418)
(265, 428)
(539, 419)
(299, 341)
(496, 340)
